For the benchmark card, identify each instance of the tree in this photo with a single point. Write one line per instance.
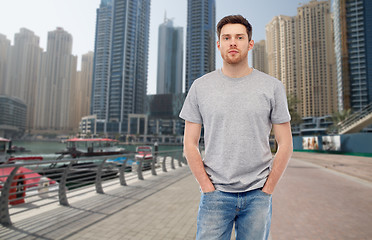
(337, 118)
(292, 103)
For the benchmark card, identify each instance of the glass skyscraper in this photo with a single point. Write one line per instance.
(353, 47)
(124, 85)
(101, 63)
(201, 39)
(170, 58)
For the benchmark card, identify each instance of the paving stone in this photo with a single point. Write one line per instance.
(312, 201)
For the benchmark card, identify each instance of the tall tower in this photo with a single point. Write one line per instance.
(126, 83)
(281, 50)
(259, 56)
(101, 65)
(57, 76)
(353, 48)
(4, 59)
(201, 39)
(301, 54)
(316, 60)
(170, 58)
(82, 90)
(23, 70)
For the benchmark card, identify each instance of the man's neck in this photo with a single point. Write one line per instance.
(236, 70)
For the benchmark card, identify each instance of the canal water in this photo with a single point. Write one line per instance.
(48, 149)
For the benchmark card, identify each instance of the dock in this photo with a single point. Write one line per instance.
(316, 199)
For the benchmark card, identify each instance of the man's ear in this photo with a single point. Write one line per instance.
(218, 45)
(251, 44)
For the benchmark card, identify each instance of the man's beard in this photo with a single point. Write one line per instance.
(235, 59)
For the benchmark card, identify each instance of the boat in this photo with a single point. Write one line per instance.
(16, 149)
(26, 182)
(119, 161)
(144, 153)
(90, 147)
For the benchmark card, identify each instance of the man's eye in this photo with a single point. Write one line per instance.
(240, 38)
(226, 38)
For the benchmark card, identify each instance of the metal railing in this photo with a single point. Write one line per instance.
(354, 118)
(57, 179)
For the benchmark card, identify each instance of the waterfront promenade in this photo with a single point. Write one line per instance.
(314, 200)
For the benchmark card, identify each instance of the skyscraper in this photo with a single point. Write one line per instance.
(316, 59)
(4, 55)
(58, 74)
(259, 56)
(353, 47)
(101, 65)
(82, 90)
(23, 70)
(281, 52)
(201, 39)
(126, 83)
(170, 58)
(301, 54)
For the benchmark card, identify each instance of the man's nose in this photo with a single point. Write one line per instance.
(232, 42)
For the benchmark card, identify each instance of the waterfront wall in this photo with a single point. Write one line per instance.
(355, 143)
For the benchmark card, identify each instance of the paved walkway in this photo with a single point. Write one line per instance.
(311, 202)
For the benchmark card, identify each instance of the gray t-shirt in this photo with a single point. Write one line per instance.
(237, 114)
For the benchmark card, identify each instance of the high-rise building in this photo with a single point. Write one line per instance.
(4, 55)
(23, 70)
(82, 90)
(353, 48)
(201, 39)
(170, 58)
(58, 74)
(101, 65)
(281, 52)
(301, 54)
(259, 56)
(126, 84)
(316, 59)
(12, 117)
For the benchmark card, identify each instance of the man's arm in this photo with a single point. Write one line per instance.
(191, 149)
(283, 137)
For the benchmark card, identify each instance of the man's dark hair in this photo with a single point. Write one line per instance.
(234, 19)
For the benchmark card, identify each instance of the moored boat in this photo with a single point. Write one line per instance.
(89, 147)
(144, 153)
(26, 182)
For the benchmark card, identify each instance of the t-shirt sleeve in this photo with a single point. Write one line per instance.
(279, 110)
(190, 110)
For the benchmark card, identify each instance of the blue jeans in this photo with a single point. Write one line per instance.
(251, 212)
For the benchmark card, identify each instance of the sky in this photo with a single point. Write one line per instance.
(78, 17)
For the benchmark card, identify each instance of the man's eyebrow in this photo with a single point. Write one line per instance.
(238, 34)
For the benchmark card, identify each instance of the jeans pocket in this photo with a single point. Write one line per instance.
(267, 194)
(209, 193)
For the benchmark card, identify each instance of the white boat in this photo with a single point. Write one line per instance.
(145, 153)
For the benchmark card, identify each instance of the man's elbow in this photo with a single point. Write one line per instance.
(286, 147)
(189, 146)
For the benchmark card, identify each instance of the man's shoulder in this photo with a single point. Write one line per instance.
(266, 78)
(206, 78)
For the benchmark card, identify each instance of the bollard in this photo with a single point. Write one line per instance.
(43, 187)
(4, 199)
(153, 162)
(179, 160)
(121, 172)
(62, 196)
(172, 163)
(139, 168)
(99, 188)
(163, 164)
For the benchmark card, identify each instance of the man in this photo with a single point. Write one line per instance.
(238, 106)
